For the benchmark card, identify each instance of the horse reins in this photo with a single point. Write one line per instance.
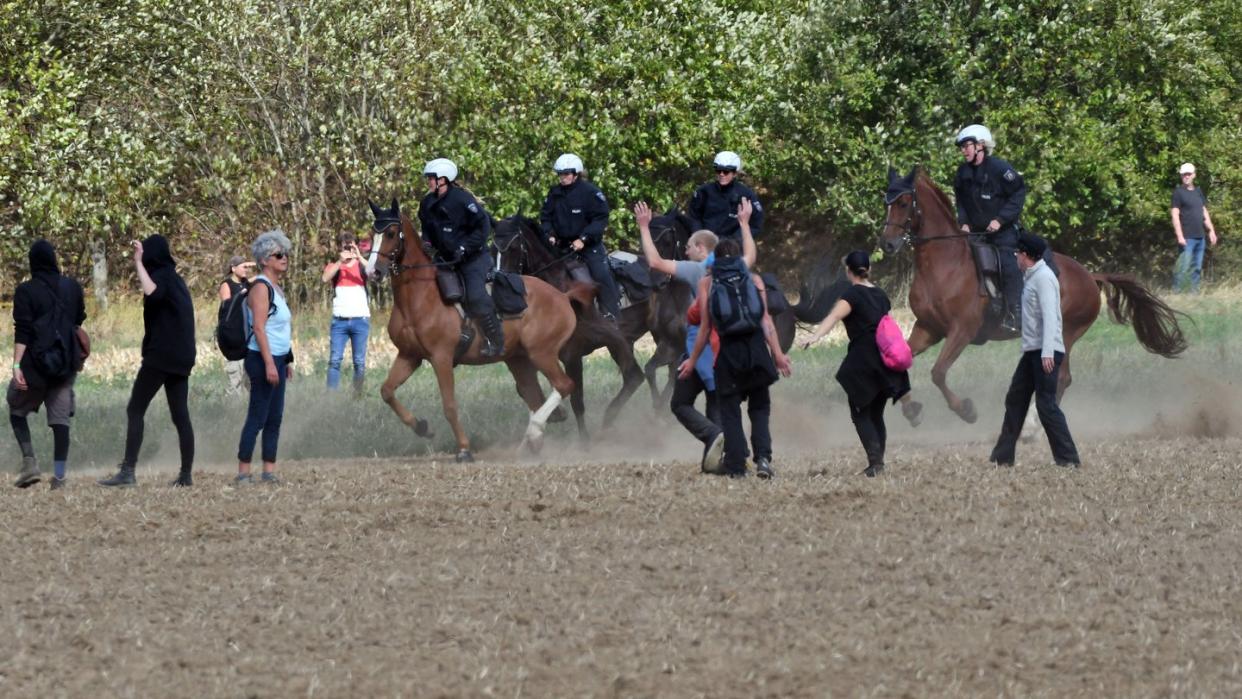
(907, 226)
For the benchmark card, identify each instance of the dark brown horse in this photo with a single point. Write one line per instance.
(424, 328)
(520, 248)
(947, 303)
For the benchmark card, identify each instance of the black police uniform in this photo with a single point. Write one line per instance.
(994, 190)
(457, 226)
(715, 208)
(580, 212)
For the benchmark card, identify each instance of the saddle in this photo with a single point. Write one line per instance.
(508, 293)
(991, 286)
(632, 276)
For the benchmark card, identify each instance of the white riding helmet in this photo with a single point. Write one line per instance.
(977, 133)
(728, 160)
(441, 167)
(568, 162)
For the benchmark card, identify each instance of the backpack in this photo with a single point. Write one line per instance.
(734, 300)
(233, 331)
(894, 351)
(52, 354)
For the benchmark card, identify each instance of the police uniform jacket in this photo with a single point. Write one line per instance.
(456, 224)
(715, 208)
(990, 190)
(576, 212)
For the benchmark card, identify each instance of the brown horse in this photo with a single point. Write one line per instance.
(947, 303)
(423, 327)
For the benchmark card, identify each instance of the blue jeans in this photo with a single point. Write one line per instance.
(1191, 260)
(267, 408)
(355, 330)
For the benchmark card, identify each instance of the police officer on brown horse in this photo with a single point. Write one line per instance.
(990, 195)
(455, 229)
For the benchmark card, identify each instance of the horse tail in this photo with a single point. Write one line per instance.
(581, 295)
(1155, 323)
(817, 295)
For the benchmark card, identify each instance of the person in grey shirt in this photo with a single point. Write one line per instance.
(1043, 351)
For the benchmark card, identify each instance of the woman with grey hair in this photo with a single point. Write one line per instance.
(269, 362)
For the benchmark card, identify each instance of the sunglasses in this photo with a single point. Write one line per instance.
(721, 171)
(277, 255)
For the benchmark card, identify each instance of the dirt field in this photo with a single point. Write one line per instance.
(642, 578)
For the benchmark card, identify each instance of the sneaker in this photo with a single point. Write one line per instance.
(269, 478)
(184, 480)
(873, 470)
(243, 479)
(713, 454)
(30, 474)
(58, 483)
(763, 469)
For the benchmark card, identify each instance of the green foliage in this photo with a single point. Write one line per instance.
(212, 121)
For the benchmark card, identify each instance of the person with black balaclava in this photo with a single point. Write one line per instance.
(46, 306)
(168, 355)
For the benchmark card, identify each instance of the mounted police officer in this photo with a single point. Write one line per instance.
(713, 205)
(455, 230)
(990, 194)
(573, 218)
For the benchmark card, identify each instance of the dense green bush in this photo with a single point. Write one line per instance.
(213, 120)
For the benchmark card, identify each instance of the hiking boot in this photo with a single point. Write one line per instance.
(243, 479)
(58, 483)
(124, 478)
(763, 469)
(269, 478)
(873, 470)
(30, 474)
(713, 453)
(184, 480)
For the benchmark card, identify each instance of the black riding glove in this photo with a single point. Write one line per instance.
(429, 249)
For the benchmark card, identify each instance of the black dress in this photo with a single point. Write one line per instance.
(862, 373)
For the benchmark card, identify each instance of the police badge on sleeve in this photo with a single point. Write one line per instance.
(473, 207)
(1010, 175)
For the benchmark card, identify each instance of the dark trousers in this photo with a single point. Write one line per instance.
(1006, 242)
(266, 410)
(1030, 378)
(759, 408)
(596, 260)
(474, 271)
(177, 391)
(685, 392)
(869, 424)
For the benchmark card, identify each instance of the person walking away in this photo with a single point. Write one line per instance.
(573, 219)
(351, 314)
(269, 361)
(869, 384)
(1190, 218)
(236, 281)
(714, 205)
(455, 229)
(747, 364)
(168, 354)
(1043, 351)
(990, 195)
(46, 307)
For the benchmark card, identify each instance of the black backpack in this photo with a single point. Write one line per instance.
(233, 333)
(734, 300)
(52, 354)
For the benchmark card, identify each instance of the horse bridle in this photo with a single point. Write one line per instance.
(907, 226)
(395, 256)
(524, 260)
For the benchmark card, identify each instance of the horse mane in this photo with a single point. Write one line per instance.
(922, 178)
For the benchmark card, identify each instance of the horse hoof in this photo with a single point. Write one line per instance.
(913, 412)
(465, 457)
(422, 429)
(967, 411)
(558, 415)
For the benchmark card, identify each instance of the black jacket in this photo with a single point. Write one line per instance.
(33, 299)
(456, 224)
(990, 190)
(167, 313)
(577, 212)
(715, 208)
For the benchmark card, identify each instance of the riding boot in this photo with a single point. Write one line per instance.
(493, 335)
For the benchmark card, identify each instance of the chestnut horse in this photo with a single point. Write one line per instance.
(521, 248)
(947, 304)
(424, 328)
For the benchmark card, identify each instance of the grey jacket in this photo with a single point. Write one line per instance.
(1041, 311)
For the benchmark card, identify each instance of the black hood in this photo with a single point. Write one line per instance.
(155, 253)
(43, 259)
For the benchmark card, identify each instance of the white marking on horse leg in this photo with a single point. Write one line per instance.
(539, 418)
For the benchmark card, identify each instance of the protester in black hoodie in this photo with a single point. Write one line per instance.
(35, 305)
(167, 357)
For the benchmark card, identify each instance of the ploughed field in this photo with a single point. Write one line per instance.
(571, 577)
